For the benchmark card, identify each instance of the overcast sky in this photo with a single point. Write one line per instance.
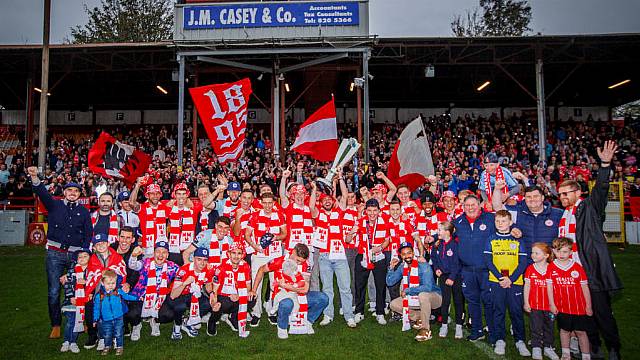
(21, 20)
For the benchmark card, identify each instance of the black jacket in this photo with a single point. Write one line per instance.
(592, 244)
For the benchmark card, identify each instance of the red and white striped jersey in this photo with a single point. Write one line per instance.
(229, 209)
(427, 224)
(244, 223)
(153, 223)
(400, 231)
(182, 228)
(329, 228)
(377, 231)
(567, 284)
(538, 297)
(261, 224)
(349, 218)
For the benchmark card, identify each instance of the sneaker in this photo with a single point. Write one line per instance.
(74, 348)
(325, 320)
(105, 351)
(91, 342)
(475, 337)
(500, 347)
(176, 334)
(444, 330)
(358, 317)
(550, 353)
(386, 310)
(189, 330)
(423, 335)
(227, 320)
(273, 320)
(255, 321)
(458, 334)
(155, 327)
(417, 324)
(310, 330)
(100, 345)
(381, 320)
(283, 333)
(135, 332)
(119, 351)
(536, 353)
(350, 323)
(396, 317)
(205, 319)
(212, 329)
(64, 347)
(522, 348)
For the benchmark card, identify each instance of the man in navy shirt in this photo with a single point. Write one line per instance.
(69, 231)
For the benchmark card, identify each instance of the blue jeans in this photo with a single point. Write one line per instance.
(475, 287)
(341, 269)
(502, 299)
(69, 335)
(316, 301)
(56, 264)
(110, 329)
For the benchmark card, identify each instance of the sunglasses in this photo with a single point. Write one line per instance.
(566, 193)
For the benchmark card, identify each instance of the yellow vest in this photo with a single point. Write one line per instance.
(505, 257)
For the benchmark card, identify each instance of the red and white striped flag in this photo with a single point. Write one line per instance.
(411, 161)
(318, 135)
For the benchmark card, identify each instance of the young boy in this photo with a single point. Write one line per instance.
(75, 298)
(569, 298)
(108, 310)
(506, 259)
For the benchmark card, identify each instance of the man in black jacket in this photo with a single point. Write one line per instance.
(588, 215)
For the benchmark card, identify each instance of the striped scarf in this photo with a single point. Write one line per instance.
(156, 291)
(113, 225)
(181, 229)
(298, 321)
(300, 225)
(487, 183)
(153, 224)
(567, 228)
(81, 299)
(243, 301)
(204, 220)
(194, 307)
(217, 250)
(410, 279)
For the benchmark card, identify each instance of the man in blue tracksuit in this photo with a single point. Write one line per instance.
(473, 229)
(69, 231)
(534, 217)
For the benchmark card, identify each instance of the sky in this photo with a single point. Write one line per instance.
(21, 20)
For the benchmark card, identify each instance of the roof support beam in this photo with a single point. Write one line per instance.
(524, 88)
(235, 64)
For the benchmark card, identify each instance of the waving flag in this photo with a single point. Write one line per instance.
(318, 135)
(113, 159)
(223, 111)
(411, 161)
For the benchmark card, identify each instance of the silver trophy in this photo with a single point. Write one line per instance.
(348, 148)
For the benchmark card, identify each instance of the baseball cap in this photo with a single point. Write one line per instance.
(98, 238)
(72, 185)
(124, 195)
(201, 252)
(405, 245)
(491, 158)
(234, 186)
(162, 244)
(83, 250)
(372, 203)
(428, 196)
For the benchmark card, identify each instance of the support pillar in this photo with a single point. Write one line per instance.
(542, 130)
(365, 89)
(180, 113)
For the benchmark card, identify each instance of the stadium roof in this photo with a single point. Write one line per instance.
(578, 70)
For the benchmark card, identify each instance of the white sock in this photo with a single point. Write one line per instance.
(586, 356)
(566, 351)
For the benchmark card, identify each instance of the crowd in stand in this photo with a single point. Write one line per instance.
(483, 230)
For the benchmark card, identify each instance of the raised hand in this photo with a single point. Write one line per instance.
(286, 173)
(32, 171)
(606, 152)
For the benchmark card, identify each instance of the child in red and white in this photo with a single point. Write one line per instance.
(536, 302)
(292, 278)
(569, 298)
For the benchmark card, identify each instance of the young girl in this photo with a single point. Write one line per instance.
(569, 298)
(74, 301)
(536, 302)
(444, 256)
(108, 310)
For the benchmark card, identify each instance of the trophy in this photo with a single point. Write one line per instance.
(348, 148)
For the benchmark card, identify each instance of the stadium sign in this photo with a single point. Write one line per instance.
(269, 20)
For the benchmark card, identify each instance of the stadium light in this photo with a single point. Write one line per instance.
(619, 84)
(351, 86)
(162, 90)
(40, 91)
(259, 78)
(481, 87)
(286, 87)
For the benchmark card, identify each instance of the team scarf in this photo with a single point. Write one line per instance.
(410, 279)
(243, 300)
(194, 307)
(113, 225)
(155, 225)
(216, 249)
(229, 210)
(368, 236)
(204, 220)
(81, 299)
(298, 321)
(156, 292)
(487, 183)
(567, 228)
(300, 225)
(181, 229)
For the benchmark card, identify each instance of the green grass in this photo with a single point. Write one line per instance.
(25, 326)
